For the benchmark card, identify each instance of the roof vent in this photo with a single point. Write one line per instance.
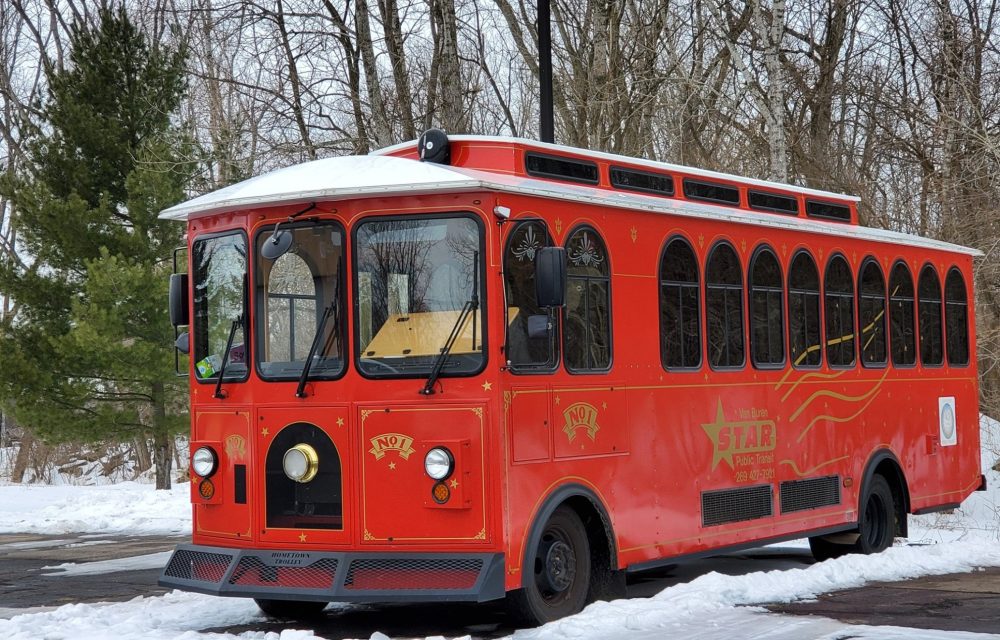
(433, 147)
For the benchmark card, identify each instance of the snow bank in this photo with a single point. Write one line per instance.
(128, 508)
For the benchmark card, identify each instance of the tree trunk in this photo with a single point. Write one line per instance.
(161, 438)
(23, 456)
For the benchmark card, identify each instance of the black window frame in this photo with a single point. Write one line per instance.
(554, 315)
(841, 296)
(193, 328)
(545, 157)
(964, 305)
(742, 314)
(770, 291)
(614, 171)
(693, 183)
(921, 301)
(819, 209)
(610, 301)
(896, 304)
(817, 299)
(751, 193)
(866, 264)
(681, 286)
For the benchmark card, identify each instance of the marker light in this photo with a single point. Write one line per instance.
(205, 461)
(301, 463)
(439, 463)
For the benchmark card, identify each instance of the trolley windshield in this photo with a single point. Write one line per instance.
(418, 286)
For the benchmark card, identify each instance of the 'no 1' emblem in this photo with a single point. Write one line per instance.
(397, 442)
(581, 415)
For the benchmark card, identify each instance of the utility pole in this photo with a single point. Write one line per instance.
(546, 125)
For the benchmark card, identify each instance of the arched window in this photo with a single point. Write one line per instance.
(587, 328)
(902, 337)
(537, 349)
(929, 309)
(680, 318)
(767, 317)
(956, 315)
(871, 314)
(803, 312)
(839, 300)
(724, 308)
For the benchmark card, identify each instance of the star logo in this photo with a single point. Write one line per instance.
(340, 422)
(392, 466)
(487, 385)
(454, 483)
(264, 432)
(302, 537)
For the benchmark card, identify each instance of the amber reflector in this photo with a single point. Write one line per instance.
(206, 489)
(441, 493)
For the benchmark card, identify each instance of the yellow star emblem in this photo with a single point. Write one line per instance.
(302, 537)
(392, 466)
(454, 483)
(340, 422)
(264, 432)
(487, 385)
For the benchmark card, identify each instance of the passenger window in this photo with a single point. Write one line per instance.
(587, 328)
(929, 308)
(901, 333)
(871, 314)
(680, 319)
(724, 308)
(767, 318)
(839, 313)
(532, 332)
(803, 312)
(956, 315)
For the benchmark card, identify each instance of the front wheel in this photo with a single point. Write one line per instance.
(877, 527)
(290, 609)
(560, 567)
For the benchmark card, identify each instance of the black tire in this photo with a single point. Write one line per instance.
(557, 572)
(290, 609)
(876, 525)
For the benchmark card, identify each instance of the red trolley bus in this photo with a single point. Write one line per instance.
(471, 368)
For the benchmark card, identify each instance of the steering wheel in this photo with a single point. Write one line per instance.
(367, 363)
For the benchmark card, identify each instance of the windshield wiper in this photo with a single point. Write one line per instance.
(469, 308)
(237, 323)
(333, 309)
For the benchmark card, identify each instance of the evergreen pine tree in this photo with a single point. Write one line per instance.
(88, 354)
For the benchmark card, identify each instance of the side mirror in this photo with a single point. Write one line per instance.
(276, 245)
(550, 276)
(183, 343)
(179, 300)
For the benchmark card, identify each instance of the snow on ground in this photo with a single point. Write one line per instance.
(129, 508)
(710, 607)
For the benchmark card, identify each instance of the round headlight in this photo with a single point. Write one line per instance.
(439, 463)
(204, 461)
(301, 463)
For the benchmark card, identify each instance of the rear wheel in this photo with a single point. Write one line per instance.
(560, 568)
(290, 609)
(876, 527)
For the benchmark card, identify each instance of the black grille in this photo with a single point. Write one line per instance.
(252, 571)
(403, 574)
(801, 495)
(198, 565)
(735, 505)
(560, 168)
(240, 484)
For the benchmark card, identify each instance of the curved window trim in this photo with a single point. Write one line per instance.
(821, 317)
(523, 370)
(743, 306)
(249, 351)
(916, 296)
(965, 303)
(258, 301)
(871, 260)
(678, 237)
(355, 349)
(586, 226)
(913, 316)
(854, 312)
(757, 252)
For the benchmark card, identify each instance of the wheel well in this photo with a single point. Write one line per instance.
(598, 532)
(889, 468)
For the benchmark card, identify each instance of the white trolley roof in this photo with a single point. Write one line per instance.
(347, 177)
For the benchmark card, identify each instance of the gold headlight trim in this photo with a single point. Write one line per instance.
(312, 461)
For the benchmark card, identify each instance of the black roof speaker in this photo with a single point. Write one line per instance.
(433, 147)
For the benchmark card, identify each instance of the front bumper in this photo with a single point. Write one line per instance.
(336, 576)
